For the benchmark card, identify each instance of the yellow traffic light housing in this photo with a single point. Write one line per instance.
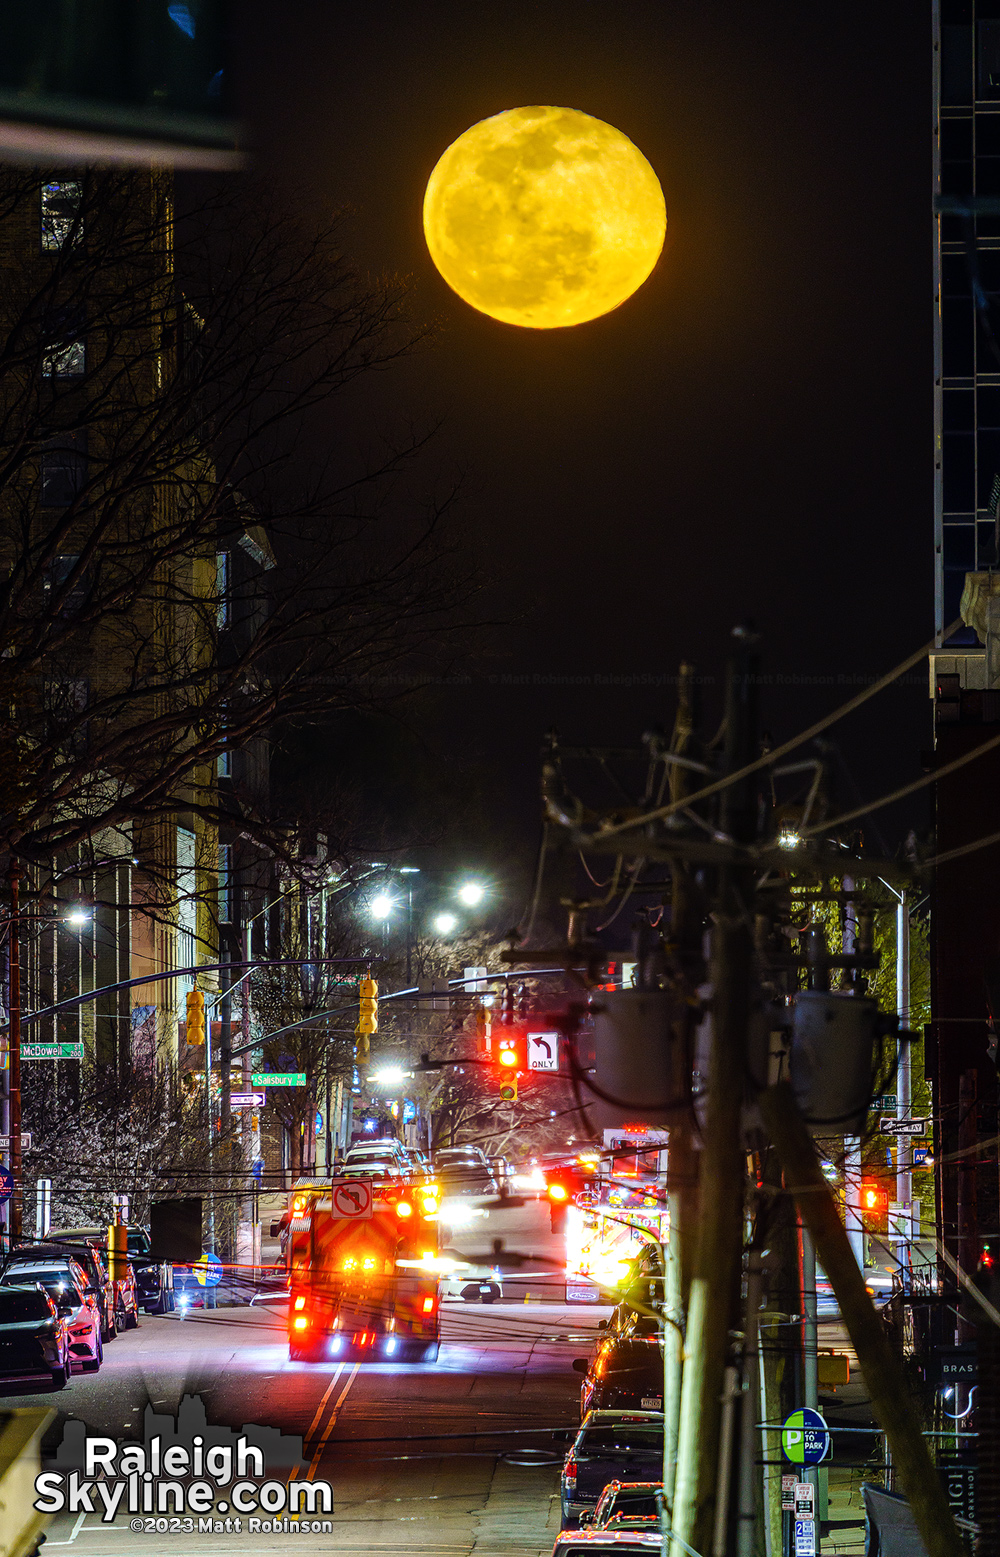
(195, 1016)
(367, 1017)
(508, 1090)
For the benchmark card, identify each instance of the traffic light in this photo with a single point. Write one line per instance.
(874, 1206)
(484, 1025)
(512, 1052)
(195, 1016)
(507, 1006)
(508, 1088)
(367, 1017)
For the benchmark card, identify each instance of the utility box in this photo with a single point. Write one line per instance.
(637, 1060)
(832, 1058)
(175, 1230)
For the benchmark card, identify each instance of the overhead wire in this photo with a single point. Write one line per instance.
(904, 790)
(778, 752)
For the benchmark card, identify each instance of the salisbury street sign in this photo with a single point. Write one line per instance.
(52, 1051)
(278, 1078)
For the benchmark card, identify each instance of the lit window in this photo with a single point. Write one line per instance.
(65, 354)
(222, 590)
(60, 205)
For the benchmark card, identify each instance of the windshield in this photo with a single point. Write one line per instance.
(628, 1438)
(48, 1275)
(603, 1549)
(15, 1307)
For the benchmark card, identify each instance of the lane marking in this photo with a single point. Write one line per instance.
(314, 1467)
(319, 1409)
(73, 1534)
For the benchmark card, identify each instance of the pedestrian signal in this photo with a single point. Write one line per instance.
(195, 1016)
(874, 1206)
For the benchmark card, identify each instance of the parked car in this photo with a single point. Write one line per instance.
(153, 1278)
(34, 1336)
(86, 1254)
(625, 1372)
(125, 1295)
(610, 1446)
(65, 1281)
(606, 1543)
(625, 1505)
(392, 1153)
(463, 1170)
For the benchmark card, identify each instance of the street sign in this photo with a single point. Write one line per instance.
(278, 1078)
(543, 1051)
(5, 1141)
(805, 1437)
(956, 1364)
(52, 1051)
(885, 1104)
(904, 1126)
(787, 1494)
(920, 1156)
(351, 1199)
(208, 1270)
(804, 1500)
(246, 1099)
(805, 1538)
(6, 1184)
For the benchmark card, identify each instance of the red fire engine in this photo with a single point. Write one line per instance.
(363, 1272)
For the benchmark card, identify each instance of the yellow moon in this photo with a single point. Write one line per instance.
(544, 217)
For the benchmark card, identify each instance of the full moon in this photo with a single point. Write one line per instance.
(544, 217)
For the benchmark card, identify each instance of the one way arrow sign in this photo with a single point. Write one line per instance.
(543, 1051)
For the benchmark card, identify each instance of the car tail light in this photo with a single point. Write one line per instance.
(569, 1474)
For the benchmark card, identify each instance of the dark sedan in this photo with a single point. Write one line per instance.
(65, 1284)
(610, 1446)
(463, 1170)
(33, 1339)
(625, 1373)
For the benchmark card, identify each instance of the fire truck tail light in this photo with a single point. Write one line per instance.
(404, 1209)
(299, 1204)
(300, 1322)
(368, 1263)
(558, 1192)
(300, 1302)
(350, 1263)
(428, 1305)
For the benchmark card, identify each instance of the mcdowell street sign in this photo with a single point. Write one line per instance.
(278, 1078)
(52, 1051)
(904, 1126)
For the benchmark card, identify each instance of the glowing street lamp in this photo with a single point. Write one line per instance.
(382, 906)
(444, 924)
(78, 917)
(390, 1076)
(471, 893)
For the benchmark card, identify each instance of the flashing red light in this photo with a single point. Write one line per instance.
(404, 1209)
(428, 1305)
(300, 1322)
(986, 1260)
(558, 1192)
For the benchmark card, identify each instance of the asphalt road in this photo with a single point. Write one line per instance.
(421, 1457)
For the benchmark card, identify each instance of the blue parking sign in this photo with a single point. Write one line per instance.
(805, 1538)
(805, 1437)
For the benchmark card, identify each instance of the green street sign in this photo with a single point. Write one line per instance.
(280, 1078)
(52, 1051)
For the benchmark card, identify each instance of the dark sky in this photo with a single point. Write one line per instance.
(749, 436)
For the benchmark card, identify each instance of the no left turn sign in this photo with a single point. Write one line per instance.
(351, 1199)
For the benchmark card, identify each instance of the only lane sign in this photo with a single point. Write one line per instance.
(543, 1051)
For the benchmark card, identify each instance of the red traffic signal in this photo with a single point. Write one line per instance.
(511, 1052)
(875, 1205)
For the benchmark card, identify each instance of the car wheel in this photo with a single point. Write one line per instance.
(121, 1316)
(132, 1317)
(108, 1331)
(59, 1378)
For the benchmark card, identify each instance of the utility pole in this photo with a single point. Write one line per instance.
(715, 1278)
(904, 1088)
(14, 1039)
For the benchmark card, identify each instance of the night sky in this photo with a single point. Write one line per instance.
(748, 437)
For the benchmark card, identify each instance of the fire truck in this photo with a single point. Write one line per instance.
(604, 1225)
(363, 1271)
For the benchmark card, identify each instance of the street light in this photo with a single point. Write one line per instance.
(391, 1075)
(471, 893)
(79, 916)
(382, 906)
(445, 923)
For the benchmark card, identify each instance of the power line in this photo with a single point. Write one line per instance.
(907, 789)
(780, 751)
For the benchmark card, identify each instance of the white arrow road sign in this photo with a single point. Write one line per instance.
(543, 1051)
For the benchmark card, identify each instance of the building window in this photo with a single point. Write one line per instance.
(65, 354)
(225, 883)
(63, 470)
(61, 213)
(187, 899)
(222, 590)
(54, 580)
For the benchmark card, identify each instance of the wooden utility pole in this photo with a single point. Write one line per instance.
(882, 1370)
(718, 1255)
(14, 1039)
